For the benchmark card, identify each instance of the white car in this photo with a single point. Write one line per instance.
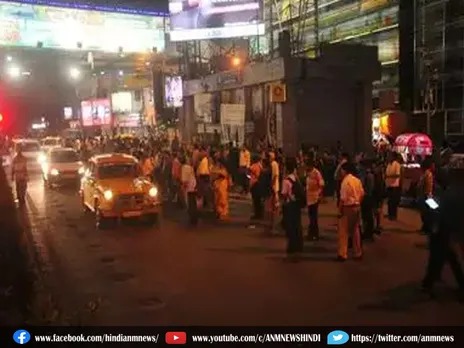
(31, 150)
(62, 165)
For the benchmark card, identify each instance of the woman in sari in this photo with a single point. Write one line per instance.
(221, 183)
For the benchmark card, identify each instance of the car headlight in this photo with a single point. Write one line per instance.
(81, 170)
(153, 192)
(54, 172)
(108, 195)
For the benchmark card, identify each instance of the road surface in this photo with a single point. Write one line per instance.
(226, 274)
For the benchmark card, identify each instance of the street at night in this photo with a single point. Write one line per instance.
(231, 171)
(225, 274)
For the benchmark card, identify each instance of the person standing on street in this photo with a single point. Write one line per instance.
(204, 178)
(272, 201)
(189, 185)
(393, 182)
(367, 205)
(314, 193)
(292, 190)
(244, 168)
(351, 196)
(20, 176)
(448, 233)
(426, 190)
(256, 192)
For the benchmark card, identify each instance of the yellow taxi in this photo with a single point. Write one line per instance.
(113, 187)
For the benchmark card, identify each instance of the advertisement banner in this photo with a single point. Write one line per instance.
(214, 19)
(68, 113)
(173, 91)
(121, 102)
(64, 28)
(203, 107)
(233, 123)
(129, 121)
(96, 112)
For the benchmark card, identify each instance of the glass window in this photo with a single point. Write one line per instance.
(63, 157)
(118, 171)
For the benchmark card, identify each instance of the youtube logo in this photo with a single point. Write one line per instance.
(176, 337)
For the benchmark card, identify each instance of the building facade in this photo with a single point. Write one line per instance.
(437, 90)
(315, 22)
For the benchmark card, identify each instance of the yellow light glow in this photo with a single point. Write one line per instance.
(236, 61)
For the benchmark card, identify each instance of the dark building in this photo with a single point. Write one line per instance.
(432, 65)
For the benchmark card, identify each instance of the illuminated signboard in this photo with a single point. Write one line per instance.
(96, 112)
(173, 91)
(66, 28)
(151, 8)
(212, 19)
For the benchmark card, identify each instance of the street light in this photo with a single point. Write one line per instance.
(74, 73)
(236, 62)
(14, 71)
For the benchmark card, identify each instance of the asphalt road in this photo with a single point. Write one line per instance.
(226, 274)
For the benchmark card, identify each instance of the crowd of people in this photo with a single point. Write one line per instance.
(199, 177)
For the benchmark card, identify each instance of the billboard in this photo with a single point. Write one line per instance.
(173, 93)
(214, 19)
(96, 112)
(121, 102)
(26, 25)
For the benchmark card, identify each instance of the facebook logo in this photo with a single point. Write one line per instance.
(21, 337)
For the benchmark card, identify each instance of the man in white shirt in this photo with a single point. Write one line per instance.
(392, 183)
(189, 189)
(351, 196)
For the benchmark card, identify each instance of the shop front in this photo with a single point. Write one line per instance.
(287, 102)
(231, 106)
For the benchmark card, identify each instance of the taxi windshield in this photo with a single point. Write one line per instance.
(64, 157)
(122, 170)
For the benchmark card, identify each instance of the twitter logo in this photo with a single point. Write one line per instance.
(337, 337)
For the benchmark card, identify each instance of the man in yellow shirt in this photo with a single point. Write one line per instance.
(351, 196)
(314, 189)
(204, 178)
(392, 183)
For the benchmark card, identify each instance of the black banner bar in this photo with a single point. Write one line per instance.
(234, 336)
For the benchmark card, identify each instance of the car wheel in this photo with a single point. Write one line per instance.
(100, 221)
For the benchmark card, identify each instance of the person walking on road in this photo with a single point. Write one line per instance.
(351, 196)
(448, 233)
(20, 176)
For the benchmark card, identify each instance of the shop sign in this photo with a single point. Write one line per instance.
(252, 74)
(229, 79)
